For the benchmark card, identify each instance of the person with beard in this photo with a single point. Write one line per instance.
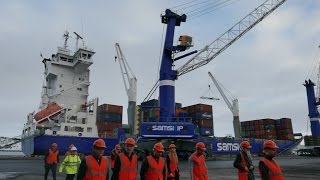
(126, 163)
(95, 166)
(172, 164)
(268, 166)
(243, 162)
(153, 166)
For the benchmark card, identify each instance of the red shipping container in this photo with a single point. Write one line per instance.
(199, 108)
(108, 126)
(256, 122)
(110, 108)
(180, 110)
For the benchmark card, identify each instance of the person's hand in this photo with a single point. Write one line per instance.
(251, 168)
(170, 175)
(246, 169)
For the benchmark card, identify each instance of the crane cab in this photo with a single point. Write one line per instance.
(185, 41)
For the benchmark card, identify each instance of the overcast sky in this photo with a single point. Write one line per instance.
(264, 69)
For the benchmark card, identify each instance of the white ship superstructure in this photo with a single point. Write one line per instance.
(66, 87)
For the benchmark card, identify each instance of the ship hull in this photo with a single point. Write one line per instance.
(217, 146)
(39, 145)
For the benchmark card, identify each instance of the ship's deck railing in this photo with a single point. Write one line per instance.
(168, 119)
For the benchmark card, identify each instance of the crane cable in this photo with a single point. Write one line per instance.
(195, 11)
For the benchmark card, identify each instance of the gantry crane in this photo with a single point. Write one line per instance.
(130, 84)
(166, 126)
(234, 107)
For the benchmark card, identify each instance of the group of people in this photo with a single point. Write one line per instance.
(268, 167)
(124, 165)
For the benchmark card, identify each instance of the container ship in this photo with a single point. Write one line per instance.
(66, 116)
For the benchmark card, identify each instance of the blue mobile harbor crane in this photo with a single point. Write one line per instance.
(312, 143)
(172, 127)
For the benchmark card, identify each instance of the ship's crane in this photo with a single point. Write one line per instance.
(130, 84)
(234, 107)
(203, 57)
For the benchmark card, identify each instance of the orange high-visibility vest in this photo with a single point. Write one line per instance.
(200, 171)
(128, 170)
(155, 169)
(173, 166)
(242, 174)
(275, 172)
(53, 157)
(94, 171)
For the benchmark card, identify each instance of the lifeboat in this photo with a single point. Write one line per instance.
(51, 110)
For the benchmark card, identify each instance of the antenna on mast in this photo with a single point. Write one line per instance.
(66, 37)
(77, 39)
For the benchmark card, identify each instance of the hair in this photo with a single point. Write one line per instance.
(248, 153)
(173, 155)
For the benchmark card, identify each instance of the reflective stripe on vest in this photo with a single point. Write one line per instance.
(173, 165)
(52, 157)
(128, 170)
(74, 161)
(94, 171)
(243, 163)
(155, 168)
(275, 172)
(199, 167)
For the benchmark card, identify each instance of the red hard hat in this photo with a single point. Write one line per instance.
(54, 145)
(172, 146)
(99, 143)
(71, 145)
(158, 147)
(245, 144)
(130, 141)
(201, 146)
(269, 144)
(118, 147)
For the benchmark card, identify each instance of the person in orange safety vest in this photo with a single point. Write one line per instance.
(268, 167)
(113, 155)
(243, 162)
(126, 164)
(153, 166)
(172, 164)
(51, 160)
(95, 166)
(197, 160)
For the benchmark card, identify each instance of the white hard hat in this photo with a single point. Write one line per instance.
(73, 148)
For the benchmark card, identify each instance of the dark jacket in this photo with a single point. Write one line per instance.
(83, 167)
(237, 164)
(145, 166)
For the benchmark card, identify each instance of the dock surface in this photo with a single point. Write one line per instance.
(294, 168)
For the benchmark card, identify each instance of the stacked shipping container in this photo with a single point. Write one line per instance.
(201, 115)
(267, 129)
(151, 110)
(109, 118)
(284, 128)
